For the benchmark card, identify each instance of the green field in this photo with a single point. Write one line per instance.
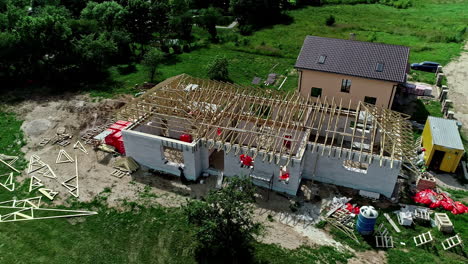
(431, 28)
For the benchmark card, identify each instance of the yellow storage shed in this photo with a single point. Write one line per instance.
(443, 144)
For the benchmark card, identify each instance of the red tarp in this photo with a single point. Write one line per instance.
(436, 200)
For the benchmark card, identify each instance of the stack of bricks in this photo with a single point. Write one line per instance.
(425, 181)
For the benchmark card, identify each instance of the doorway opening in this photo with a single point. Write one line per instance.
(216, 160)
(437, 159)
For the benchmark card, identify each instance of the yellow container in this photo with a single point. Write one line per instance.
(442, 141)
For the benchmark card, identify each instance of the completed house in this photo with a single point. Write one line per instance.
(351, 70)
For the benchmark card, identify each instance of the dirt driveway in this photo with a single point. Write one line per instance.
(457, 82)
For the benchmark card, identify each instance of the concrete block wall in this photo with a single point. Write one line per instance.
(265, 169)
(330, 169)
(342, 125)
(147, 150)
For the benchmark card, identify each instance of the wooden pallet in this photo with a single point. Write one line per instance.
(118, 173)
(452, 242)
(423, 238)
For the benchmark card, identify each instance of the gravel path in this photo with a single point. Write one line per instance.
(457, 82)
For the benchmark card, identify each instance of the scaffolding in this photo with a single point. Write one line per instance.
(278, 125)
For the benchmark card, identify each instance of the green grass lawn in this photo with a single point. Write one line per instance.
(428, 28)
(425, 108)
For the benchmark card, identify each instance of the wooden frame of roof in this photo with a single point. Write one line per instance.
(264, 121)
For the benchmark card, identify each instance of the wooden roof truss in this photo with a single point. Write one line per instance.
(258, 121)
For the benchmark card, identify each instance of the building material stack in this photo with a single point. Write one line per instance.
(425, 181)
(115, 138)
(443, 223)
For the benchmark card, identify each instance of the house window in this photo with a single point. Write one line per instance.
(379, 67)
(322, 59)
(315, 92)
(356, 166)
(370, 100)
(345, 85)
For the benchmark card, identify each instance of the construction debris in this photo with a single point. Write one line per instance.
(423, 238)
(371, 195)
(35, 164)
(126, 164)
(35, 183)
(31, 213)
(405, 216)
(44, 142)
(425, 181)
(47, 171)
(28, 202)
(443, 222)
(72, 183)
(452, 242)
(422, 215)
(80, 146)
(119, 174)
(48, 193)
(337, 203)
(63, 153)
(8, 161)
(8, 183)
(382, 239)
(392, 223)
(339, 217)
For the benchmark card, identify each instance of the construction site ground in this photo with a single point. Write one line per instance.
(77, 113)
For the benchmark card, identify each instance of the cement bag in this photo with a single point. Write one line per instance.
(447, 203)
(459, 208)
(425, 197)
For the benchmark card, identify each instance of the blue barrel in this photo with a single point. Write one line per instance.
(366, 220)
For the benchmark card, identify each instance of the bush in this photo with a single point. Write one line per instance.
(218, 69)
(330, 21)
(246, 30)
(177, 49)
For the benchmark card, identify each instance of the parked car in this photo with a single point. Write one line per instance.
(428, 66)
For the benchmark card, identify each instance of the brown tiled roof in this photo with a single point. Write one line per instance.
(356, 58)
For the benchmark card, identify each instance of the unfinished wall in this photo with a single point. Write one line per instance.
(330, 169)
(147, 150)
(265, 169)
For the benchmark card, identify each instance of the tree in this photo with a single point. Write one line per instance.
(94, 52)
(151, 61)
(224, 225)
(208, 19)
(138, 22)
(181, 20)
(109, 14)
(257, 12)
(218, 69)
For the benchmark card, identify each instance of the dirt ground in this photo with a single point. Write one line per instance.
(457, 79)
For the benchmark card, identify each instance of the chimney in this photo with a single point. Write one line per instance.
(352, 36)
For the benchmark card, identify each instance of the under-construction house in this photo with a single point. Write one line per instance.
(190, 126)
